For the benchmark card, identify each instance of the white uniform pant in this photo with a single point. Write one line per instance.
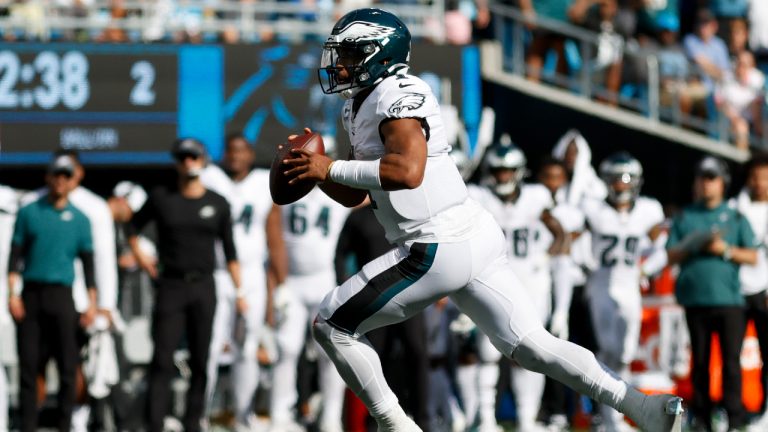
(617, 321)
(527, 385)
(245, 367)
(477, 383)
(305, 292)
(475, 273)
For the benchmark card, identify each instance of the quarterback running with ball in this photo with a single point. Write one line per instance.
(445, 243)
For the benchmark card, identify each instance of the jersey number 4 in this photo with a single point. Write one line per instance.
(297, 219)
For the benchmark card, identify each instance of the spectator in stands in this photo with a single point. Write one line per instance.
(727, 11)
(752, 203)
(544, 39)
(600, 16)
(738, 36)
(114, 33)
(676, 87)
(707, 51)
(740, 100)
(758, 29)
(710, 240)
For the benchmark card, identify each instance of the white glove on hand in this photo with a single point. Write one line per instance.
(558, 325)
(462, 325)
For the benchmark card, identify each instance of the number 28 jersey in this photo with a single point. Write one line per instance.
(617, 239)
(311, 228)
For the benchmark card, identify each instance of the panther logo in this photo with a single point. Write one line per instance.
(364, 31)
(410, 101)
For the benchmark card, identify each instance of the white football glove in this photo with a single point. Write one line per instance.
(462, 325)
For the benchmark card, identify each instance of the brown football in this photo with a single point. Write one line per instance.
(282, 192)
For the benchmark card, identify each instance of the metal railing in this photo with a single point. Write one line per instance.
(514, 31)
(43, 19)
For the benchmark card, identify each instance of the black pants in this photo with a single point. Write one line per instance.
(50, 326)
(728, 322)
(757, 311)
(410, 384)
(180, 305)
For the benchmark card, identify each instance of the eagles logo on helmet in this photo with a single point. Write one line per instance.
(505, 166)
(623, 174)
(369, 45)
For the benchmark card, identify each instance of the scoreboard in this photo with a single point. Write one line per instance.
(125, 104)
(116, 103)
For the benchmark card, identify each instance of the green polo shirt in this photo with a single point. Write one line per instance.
(705, 279)
(51, 239)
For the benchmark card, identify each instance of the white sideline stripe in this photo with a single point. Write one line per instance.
(491, 64)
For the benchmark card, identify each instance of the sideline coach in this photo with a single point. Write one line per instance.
(189, 220)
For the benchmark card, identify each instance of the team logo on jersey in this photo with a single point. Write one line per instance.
(363, 31)
(411, 101)
(66, 216)
(207, 212)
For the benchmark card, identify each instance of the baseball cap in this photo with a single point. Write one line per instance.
(667, 21)
(712, 167)
(187, 146)
(134, 194)
(62, 164)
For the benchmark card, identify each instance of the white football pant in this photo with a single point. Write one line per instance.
(476, 275)
(245, 368)
(302, 302)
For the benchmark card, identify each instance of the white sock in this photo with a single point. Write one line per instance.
(487, 378)
(360, 366)
(284, 393)
(528, 387)
(245, 379)
(577, 368)
(467, 379)
(80, 416)
(332, 388)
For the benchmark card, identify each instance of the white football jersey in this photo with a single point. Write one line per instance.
(617, 239)
(520, 221)
(9, 206)
(249, 204)
(311, 228)
(436, 211)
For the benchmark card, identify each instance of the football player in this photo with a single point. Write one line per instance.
(240, 317)
(521, 209)
(445, 243)
(620, 225)
(311, 228)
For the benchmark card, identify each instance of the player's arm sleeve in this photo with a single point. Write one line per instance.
(225, 233)
(18, 243)
(87, 258)
(344, 247)
(105, 258)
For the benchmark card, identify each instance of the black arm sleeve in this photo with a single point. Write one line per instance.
(225, 234)
(16, 259)
(87, 259)
(141, 218)
(344, 248)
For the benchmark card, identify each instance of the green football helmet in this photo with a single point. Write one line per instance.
(622, 167)
(371, 44)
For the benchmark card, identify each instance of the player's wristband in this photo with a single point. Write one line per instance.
(356, 174)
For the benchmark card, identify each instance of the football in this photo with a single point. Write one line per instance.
(282, 192)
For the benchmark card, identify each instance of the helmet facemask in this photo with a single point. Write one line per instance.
(627, 194)
(508, 186)
(350, 58)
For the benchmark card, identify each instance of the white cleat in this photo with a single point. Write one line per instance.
(287, 426)
(661, 413)
(399, 424)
